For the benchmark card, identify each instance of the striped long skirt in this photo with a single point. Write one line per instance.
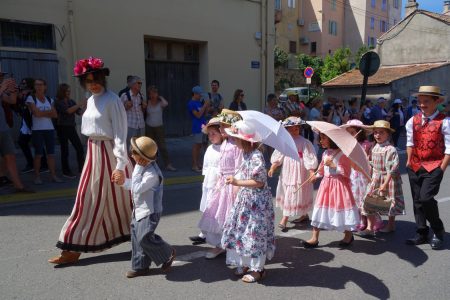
(101, 216)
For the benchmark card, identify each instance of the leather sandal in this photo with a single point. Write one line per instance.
(254, 276)
(66, 257)
(166, 266)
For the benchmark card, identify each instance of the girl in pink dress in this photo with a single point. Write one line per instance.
(223, 195)
(335, 207)
(294, 173)
(359, 182)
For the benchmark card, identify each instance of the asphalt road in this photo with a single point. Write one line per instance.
(382, 267)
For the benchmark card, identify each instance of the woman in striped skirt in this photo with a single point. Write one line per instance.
(101, 216)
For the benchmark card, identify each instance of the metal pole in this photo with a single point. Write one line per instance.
(366, 78)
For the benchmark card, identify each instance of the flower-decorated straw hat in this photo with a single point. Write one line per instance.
(89, 65)
(292, 121)
(212, 122)
(228, 116)
(244, 131)
(144, 146)
(430, 90)
(382, 124)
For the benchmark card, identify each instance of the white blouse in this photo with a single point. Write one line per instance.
(105, 118)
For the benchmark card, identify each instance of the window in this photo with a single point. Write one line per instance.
(383, 5)
(371, 41)
(372, 23)
(396, 5)
(333, 4)
(27, 35)
(313, 47)
(383, 26)
(373, 3)
(293, 47)
(278, 4)
(332, 27)
(291, 3)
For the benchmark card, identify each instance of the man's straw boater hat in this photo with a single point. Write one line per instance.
(145, 147)
(430, 90)
(213, 122)
(382, 124)
(228, 116)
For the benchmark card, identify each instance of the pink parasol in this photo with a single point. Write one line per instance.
(346, 142)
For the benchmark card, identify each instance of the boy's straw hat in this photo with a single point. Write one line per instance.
(382, 124)
(145, 147)
(228, 116)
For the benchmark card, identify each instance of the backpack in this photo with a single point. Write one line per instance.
(142, 100)
(28, 116)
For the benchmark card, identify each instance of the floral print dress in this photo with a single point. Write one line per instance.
(248, 234)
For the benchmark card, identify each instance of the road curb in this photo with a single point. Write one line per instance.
(71, 192)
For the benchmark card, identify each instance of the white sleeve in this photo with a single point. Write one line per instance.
(309, 156)
(119, 129)
(446, 133)
(277, 157)
(409, 133)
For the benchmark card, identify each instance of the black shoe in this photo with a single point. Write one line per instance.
(196, 240)
(437, 243)
(27, 169)
(342, 243)
(44, 170)
(310, 245)
(132, 274)
(418, 239)
(69, 175)
(5, 181)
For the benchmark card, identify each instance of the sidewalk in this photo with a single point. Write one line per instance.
(179, 153)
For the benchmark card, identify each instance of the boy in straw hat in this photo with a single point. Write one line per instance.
(428, 149)
(146, 186)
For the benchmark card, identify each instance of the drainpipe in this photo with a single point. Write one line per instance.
(73, 43)
(263, 53)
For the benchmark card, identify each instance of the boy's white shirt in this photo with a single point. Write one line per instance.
(142, 184)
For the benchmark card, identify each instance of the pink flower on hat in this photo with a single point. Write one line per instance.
(88, 64)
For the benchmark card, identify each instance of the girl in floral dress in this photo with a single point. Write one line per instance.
(248, 235)
(222, 196)
(294, 173)
(386, 178)
(335, 207)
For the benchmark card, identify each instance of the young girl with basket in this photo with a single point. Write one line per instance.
(335, 207)
(292, 201)
(386, 180)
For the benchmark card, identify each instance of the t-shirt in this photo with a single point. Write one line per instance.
(64, 118)
(196, 122)
(41, 123)
(154, 115)
(314, 114)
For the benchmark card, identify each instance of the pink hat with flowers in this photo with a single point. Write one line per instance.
(89, 65)
(357, 123)
(244, 131)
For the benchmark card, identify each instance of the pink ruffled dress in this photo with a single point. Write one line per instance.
(335, 207)
(293, 174)
(223, 195)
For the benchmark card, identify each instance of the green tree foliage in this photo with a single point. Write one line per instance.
(336, 64)
(280, 57)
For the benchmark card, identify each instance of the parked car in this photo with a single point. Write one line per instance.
(302, 93)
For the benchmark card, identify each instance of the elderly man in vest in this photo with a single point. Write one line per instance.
(428, 149)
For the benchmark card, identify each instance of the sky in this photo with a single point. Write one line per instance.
(430, 5)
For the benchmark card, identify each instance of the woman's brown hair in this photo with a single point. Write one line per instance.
(62, 91)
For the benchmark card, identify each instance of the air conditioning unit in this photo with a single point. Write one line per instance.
(300, 22)
(304, 40)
